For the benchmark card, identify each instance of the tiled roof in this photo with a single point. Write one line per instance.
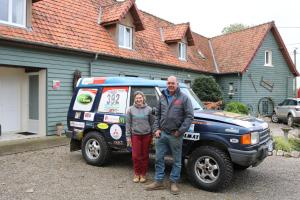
(235, 51)
(73, 24)
(175, 33)
(114, 12)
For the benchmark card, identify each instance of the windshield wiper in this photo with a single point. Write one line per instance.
(197, 108)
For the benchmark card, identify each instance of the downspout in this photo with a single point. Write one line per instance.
(91, 64)
(240, 86)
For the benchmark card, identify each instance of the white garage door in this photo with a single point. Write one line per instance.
(10, 95)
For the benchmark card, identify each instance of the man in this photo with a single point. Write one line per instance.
(174, 117)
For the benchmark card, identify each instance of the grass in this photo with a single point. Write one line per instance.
(293, 144)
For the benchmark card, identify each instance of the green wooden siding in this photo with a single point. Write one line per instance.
(279, 75)
(224, 81)
(61, 66)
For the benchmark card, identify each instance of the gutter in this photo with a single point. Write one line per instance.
(213, 55)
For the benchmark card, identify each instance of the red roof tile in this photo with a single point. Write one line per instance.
(73, 24)
(235, 51)
(175, 33)
(113, 13)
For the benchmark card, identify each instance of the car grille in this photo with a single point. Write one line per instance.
(264, 136)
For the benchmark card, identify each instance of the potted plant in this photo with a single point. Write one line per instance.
(59, 128)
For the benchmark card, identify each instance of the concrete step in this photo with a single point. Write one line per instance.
(32, 144)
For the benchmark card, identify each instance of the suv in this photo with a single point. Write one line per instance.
(216, 143)
(287, 111)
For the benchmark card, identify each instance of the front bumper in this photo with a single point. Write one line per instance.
(251, 158)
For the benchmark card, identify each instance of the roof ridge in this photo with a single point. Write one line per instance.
(156, 17)
(252, 27)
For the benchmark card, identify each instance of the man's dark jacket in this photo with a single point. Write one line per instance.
(178, 115)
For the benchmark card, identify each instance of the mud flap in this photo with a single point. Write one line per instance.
(75, 145)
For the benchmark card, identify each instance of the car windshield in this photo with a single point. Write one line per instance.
(196, 102)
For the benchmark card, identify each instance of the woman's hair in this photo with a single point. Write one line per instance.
(140, 93)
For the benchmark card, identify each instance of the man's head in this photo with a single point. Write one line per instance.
(172, 84)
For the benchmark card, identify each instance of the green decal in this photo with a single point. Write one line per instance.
(84, 99)
(122, 120)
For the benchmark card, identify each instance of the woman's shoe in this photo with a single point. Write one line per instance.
(143, 179)
(136, 178)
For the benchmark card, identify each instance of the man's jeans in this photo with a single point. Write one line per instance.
(162, 145)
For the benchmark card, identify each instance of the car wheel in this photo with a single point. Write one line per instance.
(290, 120)
(209, 168)
(95, 149)
(240, 167)
(274, 118)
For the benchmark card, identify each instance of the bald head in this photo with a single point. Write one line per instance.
(172, 84)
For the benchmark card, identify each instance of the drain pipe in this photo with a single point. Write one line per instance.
(90, 64)
(0, 130)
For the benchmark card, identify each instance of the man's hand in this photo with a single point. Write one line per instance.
(176, 133)
(129, 144)
(157, 133)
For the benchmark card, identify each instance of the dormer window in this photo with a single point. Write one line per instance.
(13, 12)
(182, 50)
(125, 37)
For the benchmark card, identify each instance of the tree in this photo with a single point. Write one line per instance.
(234, 28)
(207, 89)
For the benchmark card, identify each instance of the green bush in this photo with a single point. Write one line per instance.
(282, 144)
(237, 107)
(207, 89)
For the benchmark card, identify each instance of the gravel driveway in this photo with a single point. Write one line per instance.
(58, 174)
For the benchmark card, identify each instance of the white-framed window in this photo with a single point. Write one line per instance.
(268, 58)
(13, 12)
(125, 37)
(182, 51)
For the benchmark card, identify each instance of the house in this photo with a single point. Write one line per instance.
(254, 67)
(46, 45)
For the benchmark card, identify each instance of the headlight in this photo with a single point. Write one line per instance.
(254, 137)
(250, 138)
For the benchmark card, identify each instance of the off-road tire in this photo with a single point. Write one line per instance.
(274, 118)
(222, 160)
(90, 141)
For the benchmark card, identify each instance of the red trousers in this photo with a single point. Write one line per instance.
(140, 153)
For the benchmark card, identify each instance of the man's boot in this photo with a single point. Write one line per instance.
(155, 186)
(174, 188)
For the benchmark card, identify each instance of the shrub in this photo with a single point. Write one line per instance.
(207, 89)
(237, 107)
(282, 144)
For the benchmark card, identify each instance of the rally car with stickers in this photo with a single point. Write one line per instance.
(216, 144)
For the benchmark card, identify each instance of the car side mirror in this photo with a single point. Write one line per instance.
(154, 111)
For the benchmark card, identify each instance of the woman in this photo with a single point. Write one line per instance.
(139, 124)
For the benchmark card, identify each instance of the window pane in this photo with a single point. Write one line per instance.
(267, 57)
(4, 10)
(85, 99)
(18, 14)
(184, 51)
(127, 37)
(113, 100)
(121, 35)
(150, 94)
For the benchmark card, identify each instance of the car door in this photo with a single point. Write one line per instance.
(283, 109)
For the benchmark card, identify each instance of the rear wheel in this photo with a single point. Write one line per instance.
(290, 120)
(210, 168)
(95, 149)
(274, 118)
